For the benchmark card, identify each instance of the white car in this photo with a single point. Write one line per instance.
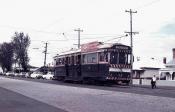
(36, 75)
(48, 76)
(16, 74)
(9, 74)
(24, 74)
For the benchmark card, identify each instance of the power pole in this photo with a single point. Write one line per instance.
(79, 30)
(131, 33)
(45, 54)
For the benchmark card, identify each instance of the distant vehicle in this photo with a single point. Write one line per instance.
(24, 74)
(16, 74)
(49, 75)
(9, 74)
(37, 75)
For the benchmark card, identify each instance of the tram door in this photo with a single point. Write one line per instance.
(173, 76)
(79, 65)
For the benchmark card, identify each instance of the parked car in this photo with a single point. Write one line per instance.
(37, 75)
(16, 74)
(49, 75)
(9, 74)
(24, 74)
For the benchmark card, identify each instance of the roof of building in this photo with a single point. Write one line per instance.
(147, 63)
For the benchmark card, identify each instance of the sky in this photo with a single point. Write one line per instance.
(54, 21)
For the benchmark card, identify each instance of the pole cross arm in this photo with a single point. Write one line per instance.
(132, 33)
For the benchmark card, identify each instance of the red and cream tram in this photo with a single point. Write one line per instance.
(95, 62)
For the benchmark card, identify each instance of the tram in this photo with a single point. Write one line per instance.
(95, 62)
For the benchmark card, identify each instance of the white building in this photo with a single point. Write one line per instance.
(168, 73)
(146, 68)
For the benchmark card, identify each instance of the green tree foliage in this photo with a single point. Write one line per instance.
(6, 56)
(21, 43)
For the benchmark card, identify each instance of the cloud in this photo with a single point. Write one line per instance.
(168, 29)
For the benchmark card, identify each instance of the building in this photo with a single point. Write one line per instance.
(168, 73)
(146, 68)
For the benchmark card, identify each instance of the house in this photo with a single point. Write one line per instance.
(145, 68)
(168, 73)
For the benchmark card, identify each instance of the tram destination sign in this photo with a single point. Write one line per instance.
(122, 47)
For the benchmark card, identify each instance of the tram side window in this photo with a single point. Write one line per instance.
(69, 60)
(75, 60)
(63, 60)
(90, 58)
(57, 62)
(72, 60)
(103, 57)
(78, 59)
(83, 59)
(60, 61)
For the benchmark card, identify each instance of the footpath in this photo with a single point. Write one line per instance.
(158, 86)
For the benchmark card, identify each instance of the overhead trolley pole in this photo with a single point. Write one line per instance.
(131, 37)
(79, 30)
(45, 54)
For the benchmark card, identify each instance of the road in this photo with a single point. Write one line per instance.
(15, 102)
(62, 97)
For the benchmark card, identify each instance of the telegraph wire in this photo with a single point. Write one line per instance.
(117, 38)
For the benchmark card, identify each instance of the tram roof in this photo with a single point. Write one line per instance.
(89, 47)
(69, 52)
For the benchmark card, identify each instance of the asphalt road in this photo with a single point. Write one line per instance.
(144, 90)
(84, 98)
(14, 102)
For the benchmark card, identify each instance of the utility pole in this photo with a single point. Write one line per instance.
(45, 54)
(79, 30)
(131, 34)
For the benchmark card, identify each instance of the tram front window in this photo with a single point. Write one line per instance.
(119, 58)
(114, 58)
(122, 58)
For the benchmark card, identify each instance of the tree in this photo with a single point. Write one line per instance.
(6, 56)
(21, 43)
